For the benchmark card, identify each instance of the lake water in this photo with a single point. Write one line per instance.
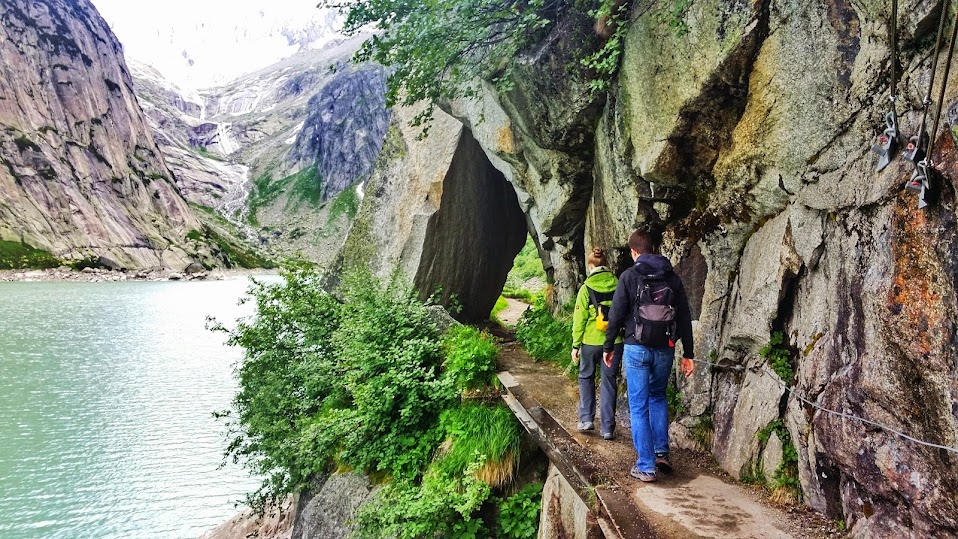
(106, 399)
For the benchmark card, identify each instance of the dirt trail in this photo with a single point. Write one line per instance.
(510, 315)
(693, 501)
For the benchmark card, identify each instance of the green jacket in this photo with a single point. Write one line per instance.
(583, 319)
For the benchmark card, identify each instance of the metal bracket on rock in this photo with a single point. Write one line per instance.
(921, 182)
(887, 142)
(915, 149)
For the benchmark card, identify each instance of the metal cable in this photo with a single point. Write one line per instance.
(764, 370)
(944, 84)
(934, 67)
(894, 49)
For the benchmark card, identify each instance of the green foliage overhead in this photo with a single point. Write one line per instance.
(439, 49)
(605, 61)
(17, 255)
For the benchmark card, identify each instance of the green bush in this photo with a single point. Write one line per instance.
(480, 452)
(785, 480)
(470, 357)
(519, 514)
(544, 336)
(357, 382)
(779, 357)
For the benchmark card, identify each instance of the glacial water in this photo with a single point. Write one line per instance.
(106, 399)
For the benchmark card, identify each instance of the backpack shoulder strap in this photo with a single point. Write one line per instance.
(592, 299)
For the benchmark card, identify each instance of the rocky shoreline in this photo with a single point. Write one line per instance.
(95, 275)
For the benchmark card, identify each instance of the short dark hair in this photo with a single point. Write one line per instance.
(641, 242)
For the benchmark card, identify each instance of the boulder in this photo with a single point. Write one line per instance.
(194, 267)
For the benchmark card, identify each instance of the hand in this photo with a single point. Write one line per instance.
(688, 365)
(607, 359)
(575, 356)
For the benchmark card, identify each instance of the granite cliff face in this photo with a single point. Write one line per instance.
(741, 131)
(344, 130)
(82, 176)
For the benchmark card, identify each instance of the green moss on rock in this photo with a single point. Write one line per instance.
(17, 255)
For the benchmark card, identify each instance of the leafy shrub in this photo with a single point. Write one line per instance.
(786, 488)
(519, 514)
(605, 62)
(779, 357)
(480, 452)
(674, 399)
(440, 506)
(544, 336)
(470, 356)
(356, 382)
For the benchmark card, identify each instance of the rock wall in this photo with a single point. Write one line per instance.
(82, 176)
(327, 509)
(441, 213)
(741, 132)
(344, 130)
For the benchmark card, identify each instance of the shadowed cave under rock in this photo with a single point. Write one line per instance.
(474, 236)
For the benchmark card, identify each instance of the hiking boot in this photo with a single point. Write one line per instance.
(608, 436)
(662, 462)
(585, 425)
(645, 477)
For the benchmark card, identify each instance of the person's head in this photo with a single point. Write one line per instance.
(595, 259)
(641, 243)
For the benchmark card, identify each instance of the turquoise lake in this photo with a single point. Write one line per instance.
(106, 398)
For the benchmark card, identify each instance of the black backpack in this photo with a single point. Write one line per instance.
(602, 303)
(654, 311)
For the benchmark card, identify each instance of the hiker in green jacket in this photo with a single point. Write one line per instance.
(588, 335)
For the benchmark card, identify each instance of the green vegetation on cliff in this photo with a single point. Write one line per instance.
(365, 380)
(17, 255)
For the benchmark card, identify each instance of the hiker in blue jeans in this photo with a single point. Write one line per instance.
(651, 306)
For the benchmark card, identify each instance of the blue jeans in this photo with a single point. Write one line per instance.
(647, 372)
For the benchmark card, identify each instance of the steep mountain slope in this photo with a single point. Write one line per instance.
(82, 177)
(280, 151)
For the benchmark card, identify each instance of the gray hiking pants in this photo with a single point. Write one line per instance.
(589, 358)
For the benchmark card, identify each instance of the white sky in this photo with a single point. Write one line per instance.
(222, 38)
